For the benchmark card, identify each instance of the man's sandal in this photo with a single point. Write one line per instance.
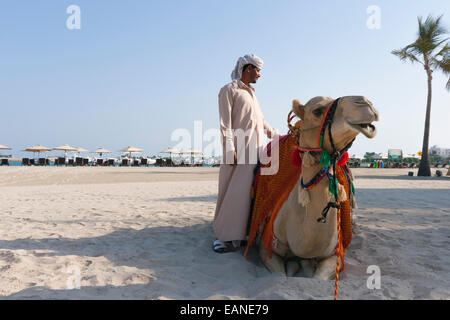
(220, 247)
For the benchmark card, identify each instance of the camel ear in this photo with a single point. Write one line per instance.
(298, 108)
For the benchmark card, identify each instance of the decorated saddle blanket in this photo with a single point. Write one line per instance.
(269, 192)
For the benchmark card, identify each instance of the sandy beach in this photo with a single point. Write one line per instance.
(146, 233)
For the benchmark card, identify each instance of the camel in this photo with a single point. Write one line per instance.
(303, 242)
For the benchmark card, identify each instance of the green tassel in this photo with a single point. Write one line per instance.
(353, 188)
(332, 186)
(325, 159)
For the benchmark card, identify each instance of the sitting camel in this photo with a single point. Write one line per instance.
(303, 240)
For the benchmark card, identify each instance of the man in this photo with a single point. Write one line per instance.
(242, 126)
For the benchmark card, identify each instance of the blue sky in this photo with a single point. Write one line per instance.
(138, 70)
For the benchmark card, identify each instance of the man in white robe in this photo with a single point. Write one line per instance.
(242, 126)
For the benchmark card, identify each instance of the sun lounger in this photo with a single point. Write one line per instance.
(25, 161)
(60, 161)
(135, 163)
(99, 162)
(110, 162)
(124, 163)
(85, 161)
(78, 161)
(71, 162)
(144, 162)
(169, 163)
(41, 162)
(5, 162)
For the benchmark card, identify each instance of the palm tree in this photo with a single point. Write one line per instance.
(432, 51)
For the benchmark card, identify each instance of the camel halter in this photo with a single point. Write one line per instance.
(327, 161)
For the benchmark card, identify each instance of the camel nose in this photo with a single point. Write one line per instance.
(366, 102)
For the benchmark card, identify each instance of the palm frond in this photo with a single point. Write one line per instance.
(404, 55)
(432, 37)
(430, 34)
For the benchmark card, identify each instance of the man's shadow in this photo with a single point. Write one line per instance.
(177, 256)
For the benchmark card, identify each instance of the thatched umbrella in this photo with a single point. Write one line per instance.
(65, 148)
(192, 152)
(101, 151)
(131, 150)
(171, 151)
(37, 148)
(2, 147)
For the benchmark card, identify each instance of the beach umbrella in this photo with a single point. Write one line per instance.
(65, 148)
(131, 150)
(80, 149)
(2, 147)
(192, 152)
(37, 148)
(101, 151)
(171, 150)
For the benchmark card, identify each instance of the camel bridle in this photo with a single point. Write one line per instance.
(327, 160)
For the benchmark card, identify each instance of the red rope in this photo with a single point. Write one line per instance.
(339, 252)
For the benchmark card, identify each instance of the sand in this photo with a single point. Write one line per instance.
(146, 233)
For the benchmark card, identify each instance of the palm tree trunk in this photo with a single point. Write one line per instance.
(424, 167)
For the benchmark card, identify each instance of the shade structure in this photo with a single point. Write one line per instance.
(37, 148)
(131, 149)
(101, 151)
(192, 152)
(80, 149)
(171, 150)
(2, 147)
(65, 148)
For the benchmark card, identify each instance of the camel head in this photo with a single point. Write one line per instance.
(353, 115)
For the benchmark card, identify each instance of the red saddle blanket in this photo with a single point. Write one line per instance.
(271, 191)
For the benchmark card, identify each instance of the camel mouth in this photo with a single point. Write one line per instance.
(366, 128)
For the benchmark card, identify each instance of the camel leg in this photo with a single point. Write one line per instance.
(274, 264)
(308, 267)
(292, 268)
(326, 268)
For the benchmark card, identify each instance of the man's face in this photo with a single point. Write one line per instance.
(254, 74)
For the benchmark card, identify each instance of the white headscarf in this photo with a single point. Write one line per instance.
(242, 61)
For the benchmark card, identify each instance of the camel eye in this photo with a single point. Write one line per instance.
(318, 112)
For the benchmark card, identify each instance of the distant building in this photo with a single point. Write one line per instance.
(439, 151)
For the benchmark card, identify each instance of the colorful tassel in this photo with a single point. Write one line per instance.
(303, 196)
(324, 159)
(296, 159)
(333, 186)
(308, 160)
(343, 159)
(342, 193)
(354, 204)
